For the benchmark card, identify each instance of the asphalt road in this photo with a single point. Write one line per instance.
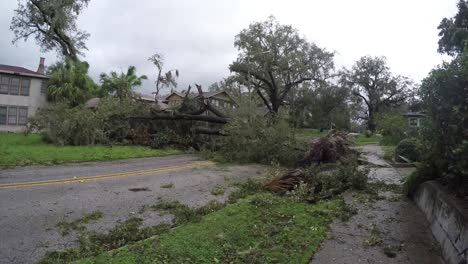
(34, 199)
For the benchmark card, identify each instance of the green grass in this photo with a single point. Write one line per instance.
(389, 152)
(21, 150)
(263, 228)
(362, 140)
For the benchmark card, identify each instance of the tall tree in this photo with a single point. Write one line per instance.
(235, 86)
(52, 23)
(69, 82)
(371, 82)
(121, 85)
(322, 107)
(444, 96)
(163, 80)
(275, 59)
(454, 31)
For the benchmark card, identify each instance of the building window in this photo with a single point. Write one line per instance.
(25, 84)
(14, 86)
(413, 122)
(43, 86)
(22, 115)
(12, 115)
(3, 115)
(4, 83)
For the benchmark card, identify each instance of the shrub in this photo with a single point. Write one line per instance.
(443, 94)
(407, 148)
(65, 125)
(368, 134)
(252, 137)
(393, 127)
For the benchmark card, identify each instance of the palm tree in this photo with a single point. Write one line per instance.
(121, 85)
(69, 82)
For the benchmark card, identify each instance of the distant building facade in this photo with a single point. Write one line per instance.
(22, 93)
(415, 119)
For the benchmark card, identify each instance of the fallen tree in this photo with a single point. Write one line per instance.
(329, 167)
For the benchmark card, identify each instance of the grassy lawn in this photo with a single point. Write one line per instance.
(362, 140)
(20, 150)
(389, 152)
(262, 228)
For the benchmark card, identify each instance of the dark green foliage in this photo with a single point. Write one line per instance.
(252, 137)
(92, 243)
(245, 189)
(368, 134)
(332, 179)
(373, 85)
(408, 149)
(52, 23)
(425, 172)
(263, 228)
(78, 224)
(393, 127)
(454, 31)
(121, 85)
(275, 59)
(444, 95)
(323, 107)
(70, 83)
(63, 125)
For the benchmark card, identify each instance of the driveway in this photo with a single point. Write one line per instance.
(34, 199)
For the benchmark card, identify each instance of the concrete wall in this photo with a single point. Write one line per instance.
(34, 101)
(447, 216)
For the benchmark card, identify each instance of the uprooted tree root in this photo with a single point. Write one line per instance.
(334, 148)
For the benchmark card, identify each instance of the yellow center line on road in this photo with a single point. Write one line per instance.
(104, 176)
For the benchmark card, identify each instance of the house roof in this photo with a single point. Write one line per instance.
(144, 97)
(414, 114)
(20, 71)
(179, 94)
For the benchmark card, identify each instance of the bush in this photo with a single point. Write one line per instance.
(368, 134)
(407, 148)
(443, 94)
(392, 126)
(65, 125)
(252, 137)
(336, 178)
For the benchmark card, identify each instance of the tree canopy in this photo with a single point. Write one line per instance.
(52, 23)
(371, 82)
(454, 31)
(121, 85)
(69, 82)
(275, 59)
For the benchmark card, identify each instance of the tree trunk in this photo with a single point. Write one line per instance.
(371, 120)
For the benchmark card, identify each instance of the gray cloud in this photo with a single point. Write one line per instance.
(197, 37)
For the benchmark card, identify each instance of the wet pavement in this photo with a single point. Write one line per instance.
(388, 228)
(29, 213)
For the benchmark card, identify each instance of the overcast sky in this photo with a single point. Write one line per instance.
(197, 36)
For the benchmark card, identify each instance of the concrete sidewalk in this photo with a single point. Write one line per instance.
(390, 229)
